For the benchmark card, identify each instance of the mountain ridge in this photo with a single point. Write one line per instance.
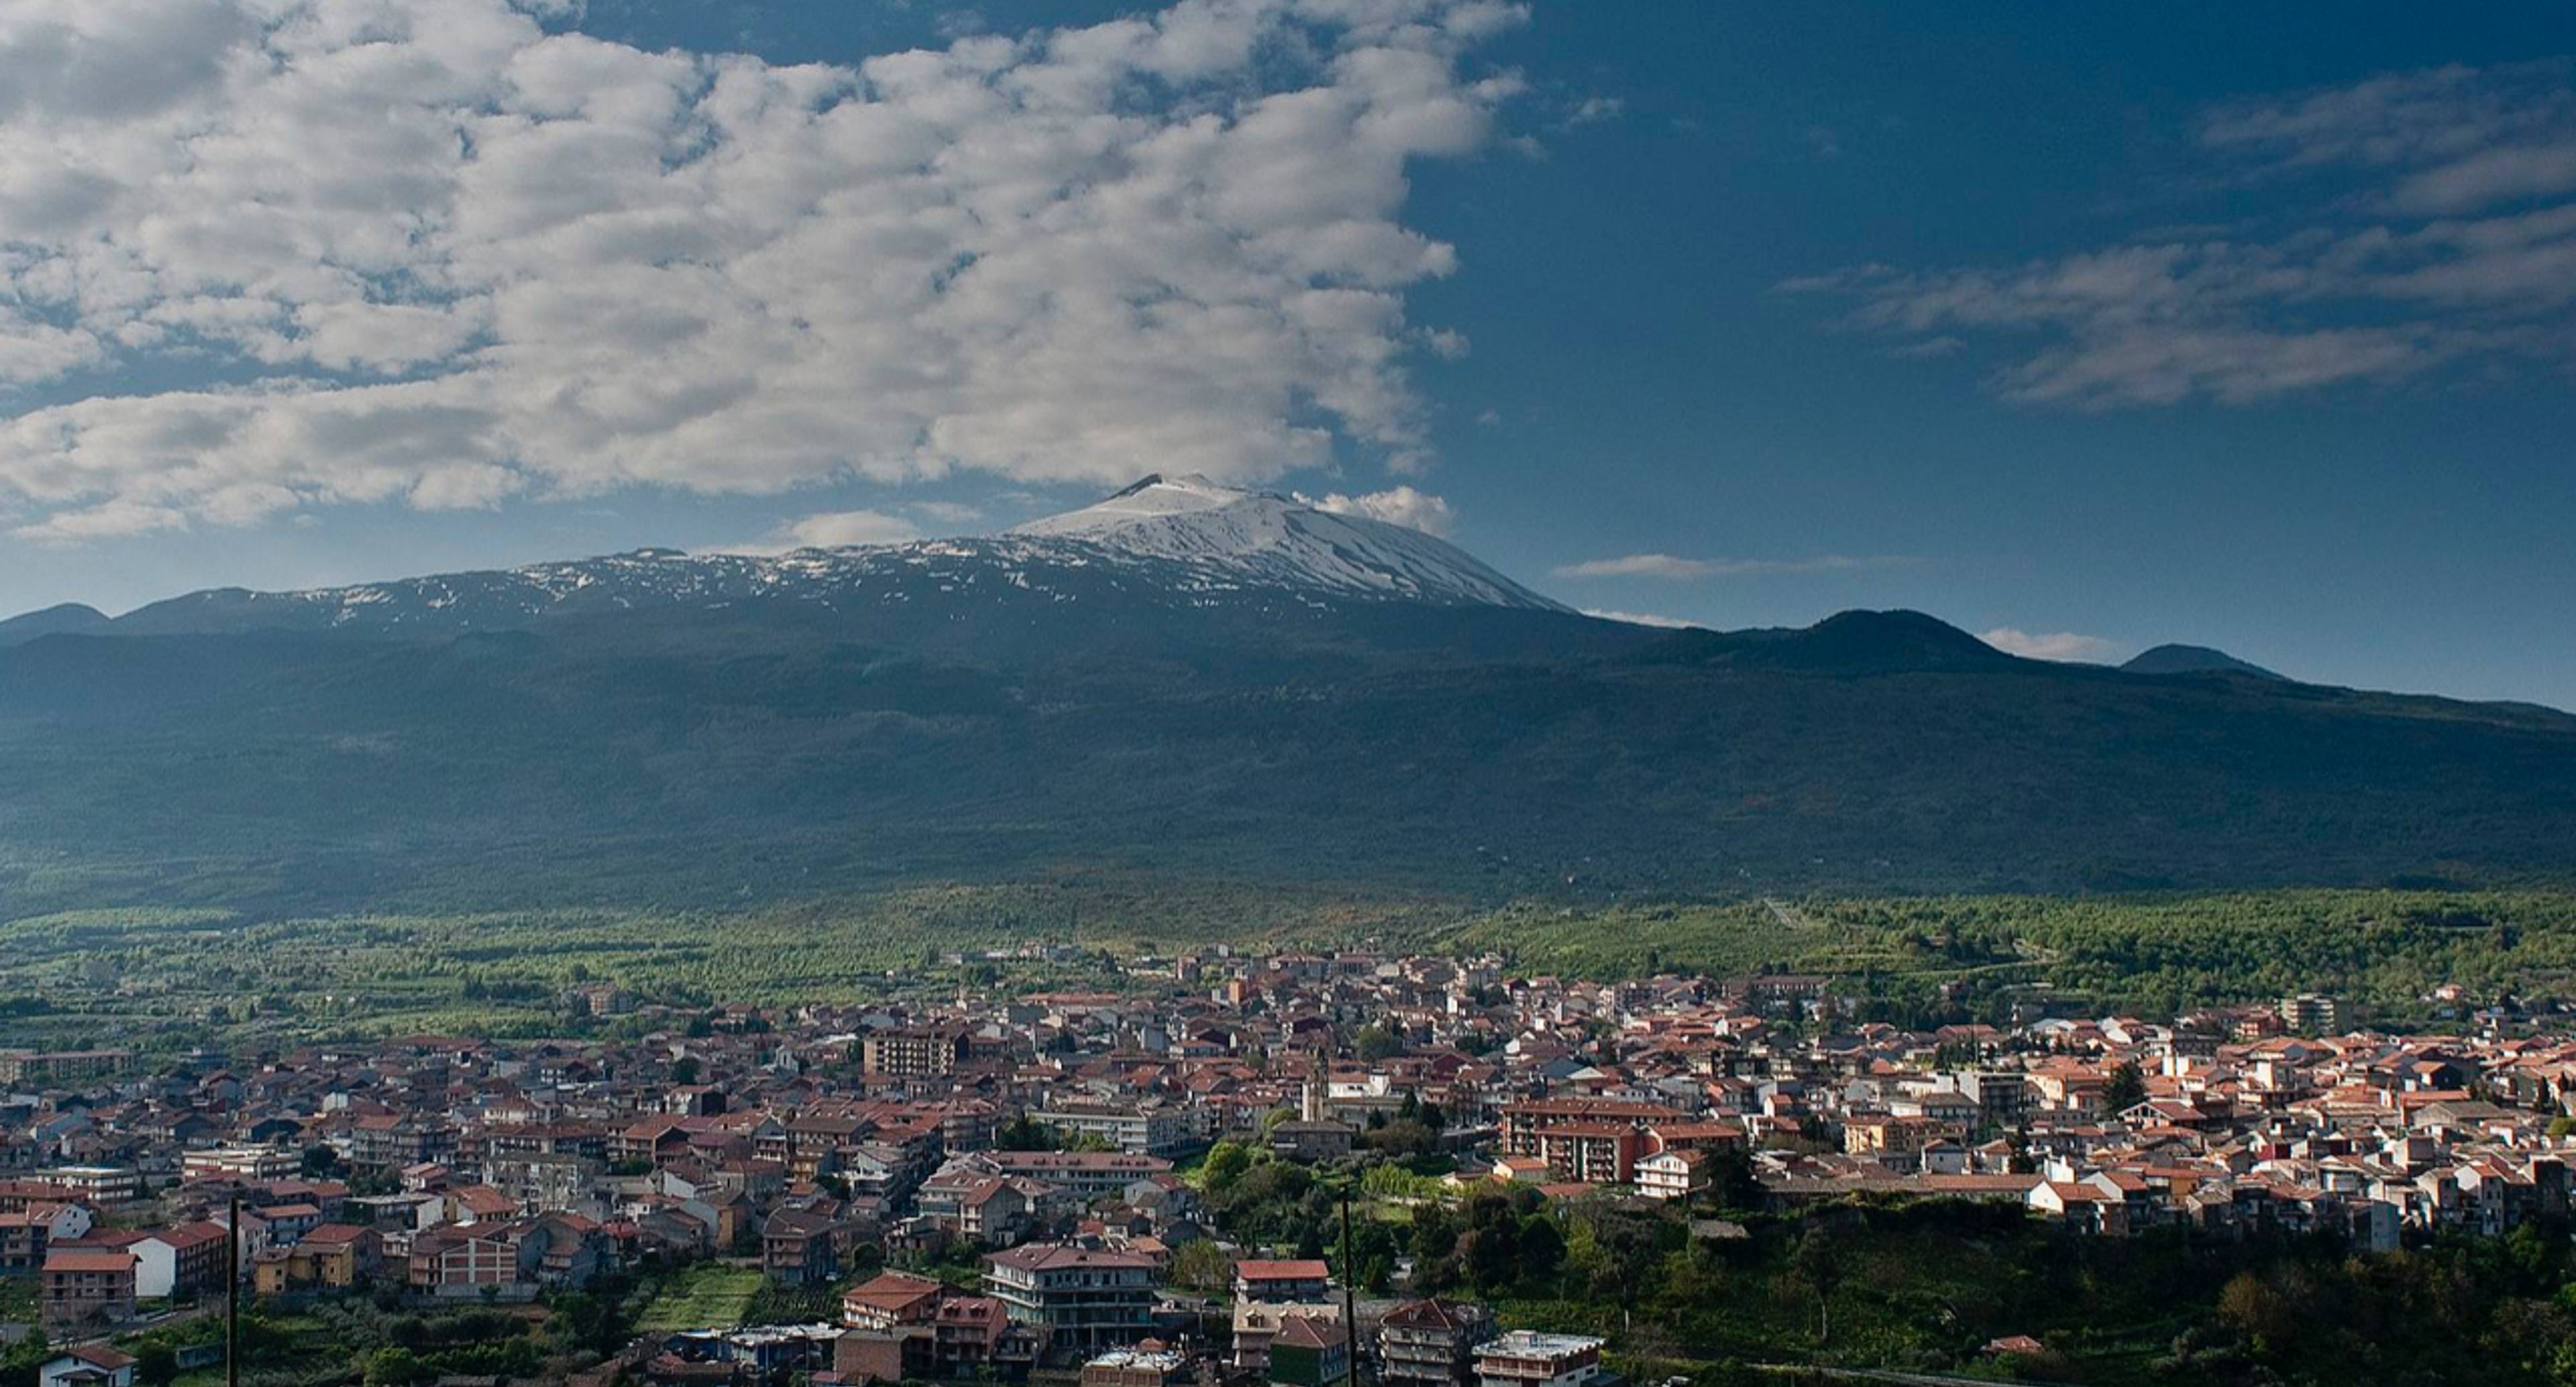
(707, 731)
(1191, 541)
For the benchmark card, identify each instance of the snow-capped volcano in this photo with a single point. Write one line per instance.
(1184, 542)
(1262, 538)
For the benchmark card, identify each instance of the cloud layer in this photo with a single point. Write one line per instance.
(1683, 570)
(2432, 224)
(2053, 645)
(435, 252)
(1643, 619)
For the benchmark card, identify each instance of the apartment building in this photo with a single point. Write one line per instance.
(1078, 1297)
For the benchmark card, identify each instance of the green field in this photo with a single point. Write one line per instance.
(167, 980)
(707, 1297)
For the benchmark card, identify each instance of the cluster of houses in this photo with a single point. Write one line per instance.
(1097, 1312)
(445, 1167)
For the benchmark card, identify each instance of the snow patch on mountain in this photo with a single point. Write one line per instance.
(1186, 541)
(1263, 538)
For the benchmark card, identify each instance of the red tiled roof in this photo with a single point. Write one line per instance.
(1298, 1270)
(82, 1259)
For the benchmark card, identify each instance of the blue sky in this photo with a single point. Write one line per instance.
(2103, 327)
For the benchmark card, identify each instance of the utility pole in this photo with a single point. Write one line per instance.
(232, 1295)
(1350, 1305)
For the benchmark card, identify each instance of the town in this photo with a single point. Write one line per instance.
(1154, 1184)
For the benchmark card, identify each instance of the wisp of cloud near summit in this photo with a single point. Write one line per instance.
(444, 252)
(1673, 567)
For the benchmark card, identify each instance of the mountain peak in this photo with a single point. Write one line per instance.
(2193, 659)
(1235, 536)
(68, 618)
(1850, 642)
(1893, 640)
(1150, 497)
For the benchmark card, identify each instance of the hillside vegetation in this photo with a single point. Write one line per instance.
(722, 760)
(171, 979)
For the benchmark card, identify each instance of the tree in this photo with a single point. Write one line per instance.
(1202, 1266)
(1820, 1262)
(2250, 1306)
(1542, 1246)
(1375, 1042)
(397, 1367)
(1226, 1162)
(1400, 1137)
(1024, 1133)
(2126, 1089)
(21, 1362)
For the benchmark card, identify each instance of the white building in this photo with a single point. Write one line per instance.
(1672, 1174)
(1526, 1358)
(1136, 1128)
(239, 1163)
(90, 1365)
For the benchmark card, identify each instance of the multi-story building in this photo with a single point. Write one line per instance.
(103, 1184)
(802, 1246)
(2308, 1013)
(40, 1069)
(86, 1288)
(1592, 1153)
(1282, 1283)
(1431, 1343)
(239, 1163)
(1526, 1358)
(445, 1259)
(542, 1183)
(1672, 1174)
(1257, 1324)
(1137, 1128)
(27, 1234)
(889, 1300)
(1083, 1175)
(1078, 1297)
(179, 1260)
(333, 1257)
(912, 1052)
(382, 1142)
(2002, 1096)
(1310, 1351)
(1592, 1140)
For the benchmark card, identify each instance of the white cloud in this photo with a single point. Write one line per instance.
(2457, 138)
(2460, 247)
(1593, 110)
(1681, 569)
(437, 255)
(835, 530)
(2053, 645)
(1400, 505)
(1644, 619)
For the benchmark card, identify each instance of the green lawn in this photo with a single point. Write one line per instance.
(703, 1298)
